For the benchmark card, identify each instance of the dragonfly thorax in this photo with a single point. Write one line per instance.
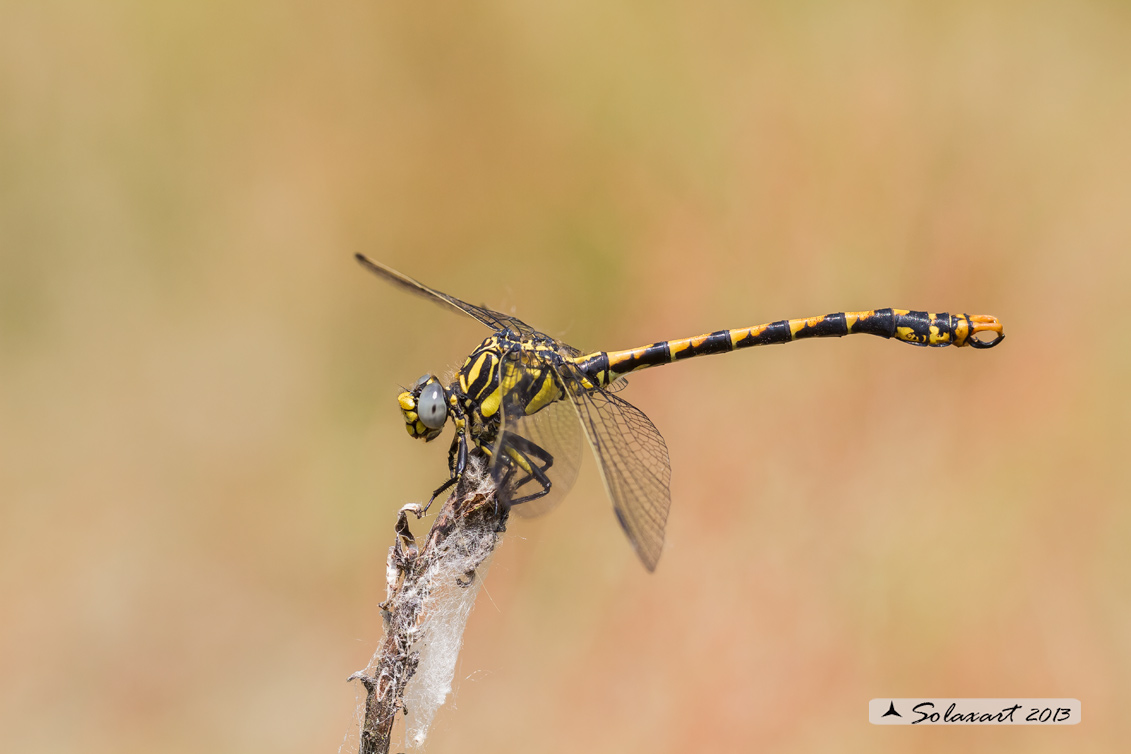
(505, 374)
(477, 387)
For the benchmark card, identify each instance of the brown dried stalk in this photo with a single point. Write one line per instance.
(464, 534)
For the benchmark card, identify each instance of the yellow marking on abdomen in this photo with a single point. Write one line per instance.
(961, 331)
(619, 357)
(851, 318)
(906, 334)
(797, 325)
(747, 332)
(937, 338)
(675, 347)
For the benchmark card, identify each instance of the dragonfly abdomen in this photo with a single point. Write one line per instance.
(915, 327)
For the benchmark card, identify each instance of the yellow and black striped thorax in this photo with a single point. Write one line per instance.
(506, 370)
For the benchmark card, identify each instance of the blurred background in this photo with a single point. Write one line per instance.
(201, 455)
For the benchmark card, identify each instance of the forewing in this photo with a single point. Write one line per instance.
(489, 317)
(634, 464)
(553, 429)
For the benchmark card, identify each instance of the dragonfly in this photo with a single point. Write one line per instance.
(524, 400)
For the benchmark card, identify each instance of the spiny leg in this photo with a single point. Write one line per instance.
(439, 490)
(524, 455)
(457, 463)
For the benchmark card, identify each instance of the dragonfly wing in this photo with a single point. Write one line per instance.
(550, 434)
(489, 317)
(634, 464)
(617, 385)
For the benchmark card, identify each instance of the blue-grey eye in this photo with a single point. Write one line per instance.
(420, 383)
(431, 406)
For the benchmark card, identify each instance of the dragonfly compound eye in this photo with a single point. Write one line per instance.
(432, 407)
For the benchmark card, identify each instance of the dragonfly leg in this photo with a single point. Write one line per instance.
(457, 462)
(534, 460)
(438, 492)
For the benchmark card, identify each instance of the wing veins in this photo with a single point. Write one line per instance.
(489, 317)
(633, 460)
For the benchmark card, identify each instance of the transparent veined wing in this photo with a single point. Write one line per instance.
(617, 385)
(549, 438)
(633, 459)
(489, 317)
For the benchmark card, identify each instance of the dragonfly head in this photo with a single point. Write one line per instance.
(425, 408)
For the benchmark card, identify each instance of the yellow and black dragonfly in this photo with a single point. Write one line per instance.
(524, 399)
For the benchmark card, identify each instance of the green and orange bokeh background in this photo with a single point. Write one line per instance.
(201, 455)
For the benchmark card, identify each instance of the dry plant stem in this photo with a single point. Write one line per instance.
(411, 571)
